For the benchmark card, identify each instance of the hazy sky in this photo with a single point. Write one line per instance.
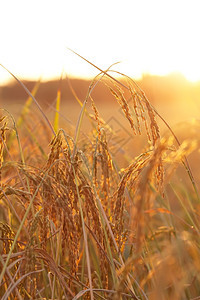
(152, 36)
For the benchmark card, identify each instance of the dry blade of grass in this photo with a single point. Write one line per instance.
(56, 119)
(103, 72)
(32, 97)
(24, 112)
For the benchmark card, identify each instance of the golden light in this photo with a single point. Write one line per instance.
(156, 37)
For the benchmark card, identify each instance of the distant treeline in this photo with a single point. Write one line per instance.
(157, 88)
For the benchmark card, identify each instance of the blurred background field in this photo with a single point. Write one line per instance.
(175, 98)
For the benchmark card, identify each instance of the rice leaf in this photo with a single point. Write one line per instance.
(56, 118)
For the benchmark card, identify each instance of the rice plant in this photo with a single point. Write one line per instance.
(75, 226)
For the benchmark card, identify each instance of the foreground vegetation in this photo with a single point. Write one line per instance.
(76, 226)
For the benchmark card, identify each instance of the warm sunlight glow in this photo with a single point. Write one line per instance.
(191, 75)
(156, 37)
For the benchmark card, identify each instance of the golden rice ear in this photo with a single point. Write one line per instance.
(97, 118)
(138, 108)
(119, 95)
(56, 146)
(155, 132)
(142, 110)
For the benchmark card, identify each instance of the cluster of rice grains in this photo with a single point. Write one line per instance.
(138, 108)
(78, 203)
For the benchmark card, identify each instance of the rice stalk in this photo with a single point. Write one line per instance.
(24, 112)
(56, 118)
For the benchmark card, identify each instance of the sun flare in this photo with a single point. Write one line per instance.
(148, 37)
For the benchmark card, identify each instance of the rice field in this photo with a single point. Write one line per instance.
(75, 223)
